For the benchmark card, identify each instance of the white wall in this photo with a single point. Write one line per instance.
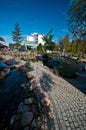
(40, 40)
(32, 38)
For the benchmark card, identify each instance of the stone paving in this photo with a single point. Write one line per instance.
(68, 104)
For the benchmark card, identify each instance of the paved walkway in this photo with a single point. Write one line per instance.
(68, 105)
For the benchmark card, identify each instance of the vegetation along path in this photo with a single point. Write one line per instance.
(68, 104)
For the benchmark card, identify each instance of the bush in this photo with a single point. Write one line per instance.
(45, 59)
(67, 70)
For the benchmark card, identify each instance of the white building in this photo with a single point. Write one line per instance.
(40, 39)
(34, 40)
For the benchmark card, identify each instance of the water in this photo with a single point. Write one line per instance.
(11, 93)
(3, 65)
(70, 67)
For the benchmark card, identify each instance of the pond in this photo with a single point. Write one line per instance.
(70, 70)
(10, 95)
(2, 64)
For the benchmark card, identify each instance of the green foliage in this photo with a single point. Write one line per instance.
(67, 70)
(77, 19)
(40, 48)
(61, 43)
(45, 59)
(78, 46)
(56, 72)
(56, 48)
(2, 39)
(66, 44)
(49, 44)
(16, 34)
(15, 46)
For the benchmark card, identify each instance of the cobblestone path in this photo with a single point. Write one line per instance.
(68, 104)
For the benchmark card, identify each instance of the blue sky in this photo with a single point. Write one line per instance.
(33, 16)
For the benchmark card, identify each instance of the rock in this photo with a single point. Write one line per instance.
(7, 71)
(29, 76)
(39, 89)
(23, 86)
(34, 123)
(75, 75)
(26, 118)
(46, 102)
(18, 116)
(22, 108)
(1, 75)
(21, 67)
(26, 128)
(31, 88)
(84, 68)
(13, 118)
(28, 101)
(33, 81)
(4, 73)
(17, 126)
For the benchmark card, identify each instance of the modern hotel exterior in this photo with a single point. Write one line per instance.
(33, 41)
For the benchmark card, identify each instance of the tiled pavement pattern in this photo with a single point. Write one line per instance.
(68, 105)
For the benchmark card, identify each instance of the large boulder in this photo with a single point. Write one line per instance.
(22, 108)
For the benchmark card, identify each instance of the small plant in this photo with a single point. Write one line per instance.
(56, 72)
(27, 64)
(1, 58)
(22, 58)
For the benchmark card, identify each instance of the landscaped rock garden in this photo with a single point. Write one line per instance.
(7, 65)
(34, 108)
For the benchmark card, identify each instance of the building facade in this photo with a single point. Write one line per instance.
(33, 41)
(4, 45)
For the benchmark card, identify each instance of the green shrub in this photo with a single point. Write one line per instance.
(45, 58)
(67, 70)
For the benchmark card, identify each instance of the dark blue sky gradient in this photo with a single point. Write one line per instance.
(33, 16)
